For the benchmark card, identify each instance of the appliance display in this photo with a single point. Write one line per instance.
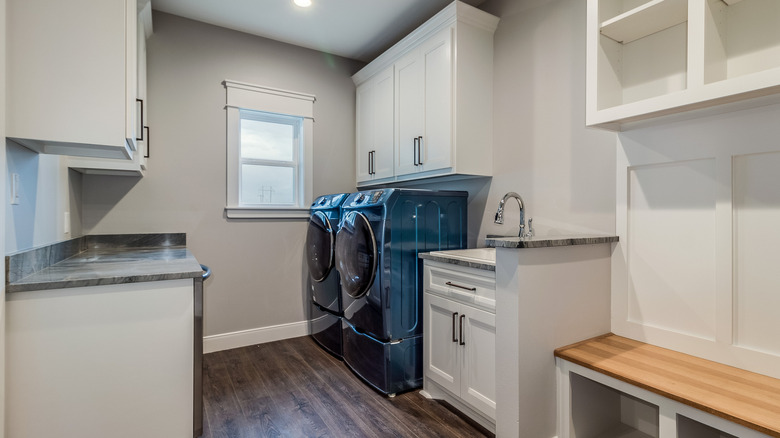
(323, 281)
(377, 246)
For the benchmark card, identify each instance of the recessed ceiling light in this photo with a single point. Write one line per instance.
(302, 3)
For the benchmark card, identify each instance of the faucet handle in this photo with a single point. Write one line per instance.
(530, 232)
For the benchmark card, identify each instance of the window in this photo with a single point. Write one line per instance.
(269, 143)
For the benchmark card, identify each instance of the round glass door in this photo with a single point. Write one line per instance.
(356, 254)
(319, 246)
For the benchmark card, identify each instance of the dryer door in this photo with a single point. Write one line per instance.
(356, 254)
(319, 246)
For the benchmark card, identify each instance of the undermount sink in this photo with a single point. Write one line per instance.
(478, 255)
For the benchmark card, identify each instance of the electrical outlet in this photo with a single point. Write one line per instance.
(15, 189)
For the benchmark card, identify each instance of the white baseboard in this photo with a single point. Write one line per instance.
(244, 338)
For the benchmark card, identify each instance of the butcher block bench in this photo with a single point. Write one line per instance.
(611, 387)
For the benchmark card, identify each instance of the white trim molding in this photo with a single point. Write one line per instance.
(240, 95)
(260, 335)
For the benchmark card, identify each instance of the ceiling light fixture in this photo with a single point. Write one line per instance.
(302, 3)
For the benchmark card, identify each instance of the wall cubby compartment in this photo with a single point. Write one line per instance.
(599, 411)
(654, 58)
(689, 428)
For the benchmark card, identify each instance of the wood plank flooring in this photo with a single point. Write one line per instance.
(293, 388)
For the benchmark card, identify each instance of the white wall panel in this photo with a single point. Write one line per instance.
(756, 242)
(671, 246)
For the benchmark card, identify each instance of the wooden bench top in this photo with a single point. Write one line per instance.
(743, 397)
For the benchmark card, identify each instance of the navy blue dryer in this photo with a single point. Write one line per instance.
(377, 246)
(325, 291)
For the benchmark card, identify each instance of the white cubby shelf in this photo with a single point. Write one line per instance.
(648, 59)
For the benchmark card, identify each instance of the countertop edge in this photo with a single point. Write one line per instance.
(547, 242)
(100, 281)
(459, 262)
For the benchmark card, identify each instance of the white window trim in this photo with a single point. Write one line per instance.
(253, 97)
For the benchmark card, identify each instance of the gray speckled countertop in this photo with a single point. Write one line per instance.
(104, 264)
(547, 241)
(482, 258)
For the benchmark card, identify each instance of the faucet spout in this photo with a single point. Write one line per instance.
(499, 219)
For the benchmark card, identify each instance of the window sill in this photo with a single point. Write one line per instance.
(266, 213)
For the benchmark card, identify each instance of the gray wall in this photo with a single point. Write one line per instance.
(47, 190)
(257, 265)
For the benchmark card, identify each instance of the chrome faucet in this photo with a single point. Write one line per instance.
(500, 214)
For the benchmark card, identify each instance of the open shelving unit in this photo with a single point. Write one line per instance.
(651, 58)
(615, 387)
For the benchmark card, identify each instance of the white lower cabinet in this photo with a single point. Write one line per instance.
(459, 349)
(101, 361)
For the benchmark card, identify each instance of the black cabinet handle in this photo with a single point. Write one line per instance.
(419, 150)
(371, 163)
(141, 122)
(415, 146)
(148, 141)
(462, 342)
(449, 283)
(454, 319)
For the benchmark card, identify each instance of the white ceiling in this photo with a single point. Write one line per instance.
(356, 29)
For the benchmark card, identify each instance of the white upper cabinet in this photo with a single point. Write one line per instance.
(137, 165)
(375, 127)
(71, 77)
(652, 58)
(442, 84)
(424, 112)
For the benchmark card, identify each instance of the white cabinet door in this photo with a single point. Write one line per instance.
(410, 96)
(478, 374)
(436, 145)
(71, 81)
(441, 338)
(143, 143)
(424, 109)
(140, 114)
(383, 125)
(374, 158)
(365, 131)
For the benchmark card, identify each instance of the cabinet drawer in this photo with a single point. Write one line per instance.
(471, 286)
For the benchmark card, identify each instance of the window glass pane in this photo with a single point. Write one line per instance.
(267, 184)
(267, 140)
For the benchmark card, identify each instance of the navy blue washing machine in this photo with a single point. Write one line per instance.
(377, 245)
(323, 282)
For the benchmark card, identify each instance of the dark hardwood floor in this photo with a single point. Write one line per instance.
(293, 388)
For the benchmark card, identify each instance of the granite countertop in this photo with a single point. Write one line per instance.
(101, 262)
(477, 258)
(547, 241)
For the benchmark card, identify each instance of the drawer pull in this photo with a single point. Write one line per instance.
(449, 283)
(454, 319)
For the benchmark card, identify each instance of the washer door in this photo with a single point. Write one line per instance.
(319, 246)
(356, 254)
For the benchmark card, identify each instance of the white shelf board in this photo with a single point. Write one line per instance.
(757, 89)
(645, 20)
